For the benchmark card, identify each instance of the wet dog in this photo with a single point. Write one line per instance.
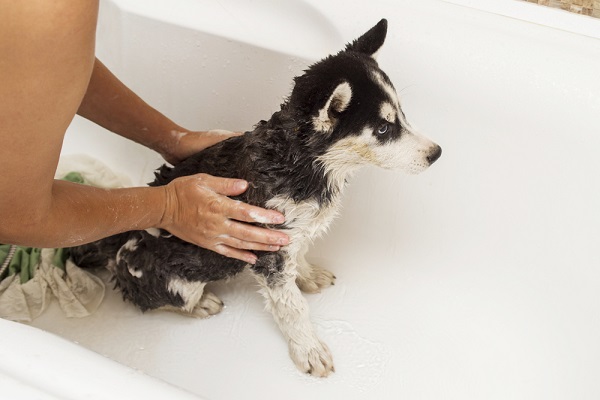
(342, 114)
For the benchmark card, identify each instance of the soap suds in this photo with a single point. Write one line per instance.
(219, 132)
(178, 135)
(258, 218)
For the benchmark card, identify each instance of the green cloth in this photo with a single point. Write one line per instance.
(74, 177)
(26, 259)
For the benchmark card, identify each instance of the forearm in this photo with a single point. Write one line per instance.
(76, 214)
(109, 103)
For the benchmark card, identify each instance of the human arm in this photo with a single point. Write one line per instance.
(111, 104)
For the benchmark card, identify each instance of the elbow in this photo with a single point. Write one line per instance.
(22, 227)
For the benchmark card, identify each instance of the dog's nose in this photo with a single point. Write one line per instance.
(434, 155)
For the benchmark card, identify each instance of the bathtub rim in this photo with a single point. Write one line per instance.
(537, 14)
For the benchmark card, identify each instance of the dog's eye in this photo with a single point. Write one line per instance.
(383, 129)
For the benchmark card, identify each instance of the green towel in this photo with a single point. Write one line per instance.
(26, 259)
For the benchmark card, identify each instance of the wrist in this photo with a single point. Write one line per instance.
(168, 200)
(168, 143)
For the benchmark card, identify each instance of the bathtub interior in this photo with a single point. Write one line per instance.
(476, 279)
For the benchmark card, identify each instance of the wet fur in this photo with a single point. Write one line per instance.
(296, 162)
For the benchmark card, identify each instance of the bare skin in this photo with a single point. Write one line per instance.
(48, 72)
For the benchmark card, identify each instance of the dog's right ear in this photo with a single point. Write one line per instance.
(337, 102)
(371, 42)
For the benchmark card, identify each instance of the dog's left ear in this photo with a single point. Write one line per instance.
(337, 102)
(370, 43)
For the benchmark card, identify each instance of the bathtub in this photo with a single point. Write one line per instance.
(478, 279)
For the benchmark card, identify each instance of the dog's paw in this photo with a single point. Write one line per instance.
(208, 305)
(314, 359)
(318, 279)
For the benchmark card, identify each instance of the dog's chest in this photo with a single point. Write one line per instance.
(305, 219)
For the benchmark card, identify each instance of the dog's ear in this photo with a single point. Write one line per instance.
(370, 43)
(337, 102)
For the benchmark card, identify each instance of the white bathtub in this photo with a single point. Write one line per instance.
(479, 279)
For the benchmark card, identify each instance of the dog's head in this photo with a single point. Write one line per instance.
(352, 104)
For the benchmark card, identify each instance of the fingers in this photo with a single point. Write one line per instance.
(247, 213)
(221, 134)
(199, 211)
(206, 139)
(185, 143)
(240, 238)
(254, 234)
(234, 242)
(238, 210)
(232, 252)
(224, 186)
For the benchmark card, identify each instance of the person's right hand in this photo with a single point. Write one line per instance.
(198, 210)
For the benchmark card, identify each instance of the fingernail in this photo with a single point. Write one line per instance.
(251, 260)
(283, 241)
(278, 219)
(274, 248)
(240, 185)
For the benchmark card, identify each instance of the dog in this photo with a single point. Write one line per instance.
(343, 113)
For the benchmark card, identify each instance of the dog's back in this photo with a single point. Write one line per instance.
(279, 157)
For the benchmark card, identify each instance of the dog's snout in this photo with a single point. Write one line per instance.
(434, 155)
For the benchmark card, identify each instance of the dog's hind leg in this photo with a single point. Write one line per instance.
(158, 275)
(312, 278)
(208, 306)
(197, 302)
(276, 273)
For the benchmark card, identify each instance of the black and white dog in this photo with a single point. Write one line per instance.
(343, 113)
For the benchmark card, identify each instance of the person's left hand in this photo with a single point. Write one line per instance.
(187, 143)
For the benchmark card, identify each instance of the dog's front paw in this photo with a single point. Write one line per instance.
(314, 359)
(318, 278)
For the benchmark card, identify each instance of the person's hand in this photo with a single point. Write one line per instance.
(183, 144)
(198, 211)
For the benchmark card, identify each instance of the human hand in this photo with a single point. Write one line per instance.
(198, 210)
(183, 144)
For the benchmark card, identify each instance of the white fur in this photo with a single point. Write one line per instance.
(307, 219)
(111, 265)
(133, 272)
(130, 245)
(190, 292)
(387, 112)
(393, 96)
(343, 158)
(311, 278)
(339, 100)
(291, 313)
(284, 300)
